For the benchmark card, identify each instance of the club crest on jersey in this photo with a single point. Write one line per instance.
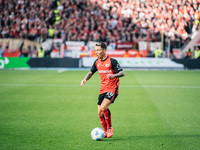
(107, 65)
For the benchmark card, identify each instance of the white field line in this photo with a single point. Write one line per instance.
(129, 86)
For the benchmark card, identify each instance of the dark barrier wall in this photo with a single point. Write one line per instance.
(189, 63)
(55, 62)
(25, 62)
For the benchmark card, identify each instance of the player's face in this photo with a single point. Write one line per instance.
(100, 52)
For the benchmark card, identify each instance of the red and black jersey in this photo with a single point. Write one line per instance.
(105, 67)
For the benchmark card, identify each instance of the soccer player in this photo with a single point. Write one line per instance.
(109, 71)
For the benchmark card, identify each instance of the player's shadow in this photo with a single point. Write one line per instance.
(149, 137)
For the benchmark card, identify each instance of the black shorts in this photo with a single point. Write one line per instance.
(109, 95)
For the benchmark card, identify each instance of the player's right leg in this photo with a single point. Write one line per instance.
(102, 120)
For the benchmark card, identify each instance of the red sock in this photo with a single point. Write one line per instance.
(107, 116)
(103, 123)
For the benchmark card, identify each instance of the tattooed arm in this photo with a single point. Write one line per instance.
(117, 75)
(87, 77)
(117, 68)
(89, 74)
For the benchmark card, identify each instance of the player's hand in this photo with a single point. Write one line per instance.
(110, 76)
(83, 82)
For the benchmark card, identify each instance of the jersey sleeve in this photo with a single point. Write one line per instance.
(115, 65)
(93, 68)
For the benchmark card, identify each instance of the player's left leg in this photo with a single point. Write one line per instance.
(100, 113)
(105, 104)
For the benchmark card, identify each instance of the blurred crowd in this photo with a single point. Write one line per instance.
(99, 20)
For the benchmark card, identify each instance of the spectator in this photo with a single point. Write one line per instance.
(197, 17)
(188, 54)
(1, 51)
(34, 52)
(51, 31)
(41, 52)
(138, 53)
(196, 52)
(172, 56)
(157, 53)
(21, 48)
(126, 54)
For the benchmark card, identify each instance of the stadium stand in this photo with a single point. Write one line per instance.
(99, 20)
(94, 20)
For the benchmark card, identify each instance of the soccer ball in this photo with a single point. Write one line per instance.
(97, 134)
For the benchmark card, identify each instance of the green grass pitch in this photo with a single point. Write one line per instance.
(48, 110)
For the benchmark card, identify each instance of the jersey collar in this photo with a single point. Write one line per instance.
(104, 59)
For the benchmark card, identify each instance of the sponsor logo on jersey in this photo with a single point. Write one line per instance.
(104, 71)
(107, 65)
